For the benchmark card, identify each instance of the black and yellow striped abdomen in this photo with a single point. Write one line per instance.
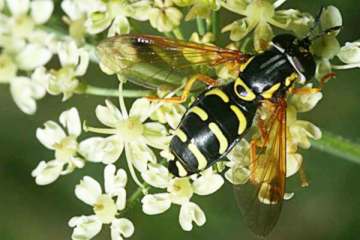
(211, 127)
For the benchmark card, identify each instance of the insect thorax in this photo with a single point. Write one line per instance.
(268, 75)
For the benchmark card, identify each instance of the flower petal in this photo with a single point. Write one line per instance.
(156, 175)
(191, 212)
(156, 135)
(85, 227)
(119, 26)
(139, 154)
(88, 190)
(51, 134)
(98, 21)
(33, 55)
(22, 91)
(114, 183)
(350, 53)
(41, 10)
(109, 115)
(18, 7)
(306, 102)
(98, 149)
(293, 163)
(155, 203)
(121, 227)
(70, 119)
(208, 183)
(140, 108)
(47, 172)
(83, 63)
(121, 199)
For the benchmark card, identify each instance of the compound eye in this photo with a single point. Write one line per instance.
(243, 91)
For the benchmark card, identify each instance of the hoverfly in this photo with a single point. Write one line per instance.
(221, 115)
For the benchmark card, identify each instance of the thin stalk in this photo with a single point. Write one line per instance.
(134, 198)
(201, 26)
(338, 146)
(97, 91)
(168, 34)
(178, 33)
(215, 24)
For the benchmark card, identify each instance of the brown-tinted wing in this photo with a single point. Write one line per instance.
(150, 61)
(260, 199)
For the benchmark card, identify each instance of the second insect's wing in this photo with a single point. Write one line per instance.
(150, 61)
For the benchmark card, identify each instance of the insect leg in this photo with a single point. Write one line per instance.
(303, 178)
(187, 88)
(304, 90)
(326, 78)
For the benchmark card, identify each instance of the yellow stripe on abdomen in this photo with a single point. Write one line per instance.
(223, 142)
(241, 118)
(200, 112)
(218, 92)
(181, 134)
(200, 158)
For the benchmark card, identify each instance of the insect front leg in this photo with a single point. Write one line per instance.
(187, 88)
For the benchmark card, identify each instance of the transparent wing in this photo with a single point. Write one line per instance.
(260, 199)
(153, 60)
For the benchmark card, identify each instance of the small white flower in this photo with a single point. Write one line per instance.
(164, 16)
(130, 132)
(25, 91)
(64, 144)
(114, 15)
(104, 205)
(74, 62)
(180, 191)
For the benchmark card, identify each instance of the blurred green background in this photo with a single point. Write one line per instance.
(328, 209)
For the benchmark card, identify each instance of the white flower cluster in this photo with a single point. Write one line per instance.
(140, 136)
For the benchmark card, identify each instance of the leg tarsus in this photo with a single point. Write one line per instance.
(326, 78)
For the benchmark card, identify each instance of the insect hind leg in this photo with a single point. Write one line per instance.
(187, 88)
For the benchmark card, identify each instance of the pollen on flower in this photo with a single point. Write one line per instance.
(105, 208)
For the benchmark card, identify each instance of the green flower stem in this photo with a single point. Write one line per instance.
(92, 90)
(338, 146)
(215, 23)
(178, 33)
(201, 26)
(168, 34)
(134, 198)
